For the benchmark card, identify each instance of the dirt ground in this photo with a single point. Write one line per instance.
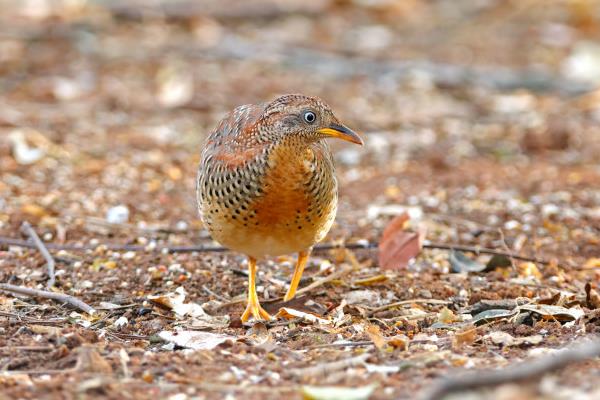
(480, 121)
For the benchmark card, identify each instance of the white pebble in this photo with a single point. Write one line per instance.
(118, 214)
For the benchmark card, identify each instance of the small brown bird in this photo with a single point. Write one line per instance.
(266, 182)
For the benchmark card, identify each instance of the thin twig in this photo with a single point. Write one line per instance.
(323, 369)
(50, 263)
(483, 250)
(514, 373)
(175, 249)
(505, 245)
(61, 297)
(404, 302)
(219, 249)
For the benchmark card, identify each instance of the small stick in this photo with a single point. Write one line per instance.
(64, 298)
(404, 302)
(50, 263)
(327, 368)
(219, 249)
(514, 373)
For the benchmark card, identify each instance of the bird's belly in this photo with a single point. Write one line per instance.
(287, 233)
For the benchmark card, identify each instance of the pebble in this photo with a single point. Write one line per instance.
(118, 214)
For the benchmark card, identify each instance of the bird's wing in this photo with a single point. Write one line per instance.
(231, 142)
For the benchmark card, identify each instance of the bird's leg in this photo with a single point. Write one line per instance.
(253, 308)
(302, 259)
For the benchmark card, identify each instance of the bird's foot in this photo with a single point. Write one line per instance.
(256, 311)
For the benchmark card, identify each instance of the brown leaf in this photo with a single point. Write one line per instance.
(89, 360)
(397, 246)
(592, 298)
(395, 225)
(376, 337)
(464, 337)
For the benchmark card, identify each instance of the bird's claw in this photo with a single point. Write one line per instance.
(256, 311)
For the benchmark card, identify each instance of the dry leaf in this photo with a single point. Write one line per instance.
(399, 341)
(527, 269)
(371, 280)
(376, 337)
(195, 340)
(464, 337)
(290, 313)
(397, 246)
(89, 360)
(592, 298)
(592, 263)
(446, 316)
(199, 318)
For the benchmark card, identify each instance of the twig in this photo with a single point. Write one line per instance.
(216, 295)
(404, 302)
(505, 245)
(346, 344)
(483, 250)
(514, 373)
(64, 298)
(175, 249)
(31, 320)
(326, 368)
(219, 249)
(27, 348)
(50, 264)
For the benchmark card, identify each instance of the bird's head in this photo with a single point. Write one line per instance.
(303, 118)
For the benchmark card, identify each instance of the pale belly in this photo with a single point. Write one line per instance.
(259, 239)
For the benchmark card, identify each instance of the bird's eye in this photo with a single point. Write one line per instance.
(310, 117)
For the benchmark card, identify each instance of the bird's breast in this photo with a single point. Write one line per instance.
(293, 208)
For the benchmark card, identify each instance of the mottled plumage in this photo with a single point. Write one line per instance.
(266, 183)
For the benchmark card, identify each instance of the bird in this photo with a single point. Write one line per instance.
(266, 183)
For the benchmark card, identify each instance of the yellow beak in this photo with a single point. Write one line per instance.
(341, 132)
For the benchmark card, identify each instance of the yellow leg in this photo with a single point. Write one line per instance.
(302, 259)
(253, 308)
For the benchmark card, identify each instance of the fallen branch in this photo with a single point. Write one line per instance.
(514, 373)
(404, 302)
(50, 263)
(220, 249)
(483, 250)
(325, 369)
(61, 297)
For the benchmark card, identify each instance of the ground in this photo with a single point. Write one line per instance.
(492, 142)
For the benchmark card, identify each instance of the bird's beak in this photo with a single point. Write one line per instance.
(341, 132)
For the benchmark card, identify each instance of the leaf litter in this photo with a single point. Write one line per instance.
(100, 147)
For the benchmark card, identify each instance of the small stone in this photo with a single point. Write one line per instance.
(118, 214)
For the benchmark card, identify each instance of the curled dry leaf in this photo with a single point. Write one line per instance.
(592, 298)
(373, 280)
(459, 262)
(446, 316)
(464, 337)
(528, 269)
(398, 246)
(290, 313)
(195, 340)
(382, 342)
(199, 318)
(554, 312)
(506, 339)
